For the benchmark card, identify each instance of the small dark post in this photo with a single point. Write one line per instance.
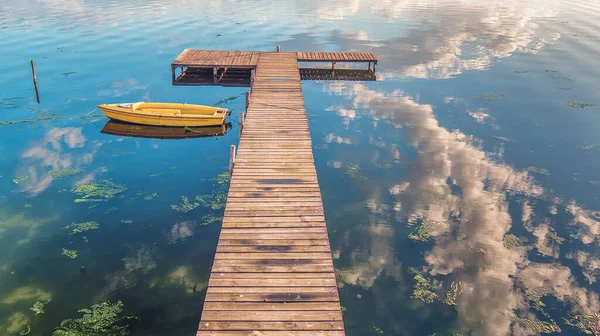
(241, 122)
(374, 66)
(278, 49)
(369, 66)
(231, 159)
(37, 94)
(247, 98)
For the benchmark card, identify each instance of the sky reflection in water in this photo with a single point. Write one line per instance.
(482, 124)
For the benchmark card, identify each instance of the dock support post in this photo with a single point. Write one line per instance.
(278, 49)
(231, 159)
(369, 66)
(252, 74)
(374, 66)
(242, 120)
(247, 99)
(37, 94)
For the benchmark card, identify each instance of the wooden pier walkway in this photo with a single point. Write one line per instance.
(273, 272)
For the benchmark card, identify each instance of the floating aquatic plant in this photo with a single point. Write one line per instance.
(226, 100)
(110, 210)
(587, 324)
(103, 319)
(377, 331)
(537, 326)
(69, 253)
(151, 197)
(553, 236)
(352, 170)
(453, 293)
(38, 307)
(88, 200)
(126, 221)
(423, 231)
(536, 170)
(322, 146)
(60, 173)
(210, 219)
(82, 227)
(28, 205)
(185, 205)
(40, 118)
(590, 146)
(106, 189)
(577, 105)
(511, 242)
(383, 166)
(20, 179)
(534, 296)
(521, 71)
(66, 74)
(425, 289)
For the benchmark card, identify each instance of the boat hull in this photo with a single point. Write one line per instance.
(120, 128)
(158, 119)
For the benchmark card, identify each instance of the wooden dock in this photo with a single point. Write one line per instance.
(273, 272)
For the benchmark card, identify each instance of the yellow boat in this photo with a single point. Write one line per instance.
(165, 114)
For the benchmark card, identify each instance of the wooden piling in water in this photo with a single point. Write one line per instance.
(231, 159)
(37, 93)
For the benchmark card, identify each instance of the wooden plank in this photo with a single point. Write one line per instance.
(272, 316)
(272, 282)
(297, 306)
(238, 275)
(273, 242)
(272, 297)
(274, 255)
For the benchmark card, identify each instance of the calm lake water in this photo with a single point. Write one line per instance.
(460, 189)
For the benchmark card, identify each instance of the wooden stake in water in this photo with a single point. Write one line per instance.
(241, 122)
(37, 94)
(231, 159)
(278, 49)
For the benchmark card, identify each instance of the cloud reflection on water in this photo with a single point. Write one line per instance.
(471, 250)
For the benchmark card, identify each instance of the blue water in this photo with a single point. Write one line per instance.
(482, 124)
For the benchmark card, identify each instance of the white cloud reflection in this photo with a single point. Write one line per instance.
(471, 250)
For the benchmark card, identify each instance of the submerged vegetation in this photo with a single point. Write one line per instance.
(537, 326)
(577, 105)
(214, 201)
(104, 189)
(425, 289)
(540, 171)
(60, 173)
(82, 227)
(185, 205)
(20, 179)
(102, 319)
(587, 324)
(423, 231)
(511, 242)
(69, 253)
(38, 307)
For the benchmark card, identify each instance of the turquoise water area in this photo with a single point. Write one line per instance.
(460, 189)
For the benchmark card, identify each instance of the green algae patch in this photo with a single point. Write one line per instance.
(26, 293)
(586, 324)
(453, 293)
(185, 206)
(590, 146)
(69, 253)
(57, 174)
(539, 171)
(425, 288)
(20, 179)
(210, 219)
(511, 242)
(554, 237)
(38, 307)
(537, 326)
(578, 105)
(82, 227)
(102, 319)
(423, 231)
(151, 197)
(126, 221)
(106, 189)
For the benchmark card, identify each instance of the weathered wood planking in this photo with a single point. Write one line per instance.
(273, 272)
(336, 57)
